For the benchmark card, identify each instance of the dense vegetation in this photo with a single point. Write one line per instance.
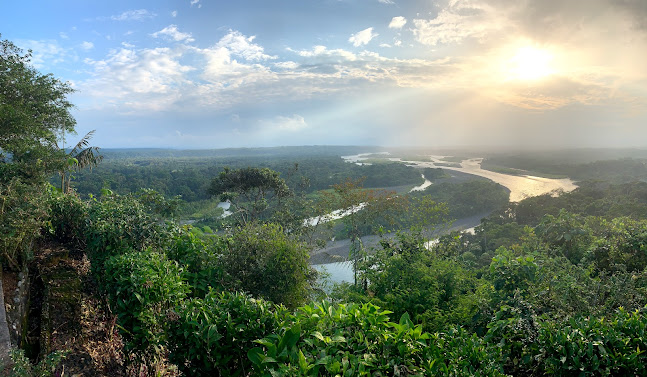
(563, 296)
(190, 177)
(546, 286)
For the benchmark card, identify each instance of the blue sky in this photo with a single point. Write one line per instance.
(212, 74)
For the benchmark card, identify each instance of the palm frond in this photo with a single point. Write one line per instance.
(83, 143)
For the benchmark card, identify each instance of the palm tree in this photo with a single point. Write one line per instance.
(80, 157)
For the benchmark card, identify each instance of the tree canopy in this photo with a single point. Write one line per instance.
(249, 189)
(34, 112)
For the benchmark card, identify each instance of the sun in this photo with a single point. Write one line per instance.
(530, 64)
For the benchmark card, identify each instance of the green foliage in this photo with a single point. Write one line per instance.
(263, 261)
(565, 234)
(250, 190)
(23, 211)
(469, 198)
(142, 287)
(361, 208)
(33, 111)
(200, 258)
(621, 246)
(514, 330)
(189, 173)
(67, 217)
(47, 367)
(359, 340)
(404, 277)
(117, 224)
(589, 346)
(511, 274)
(80, 157)
(211, 336)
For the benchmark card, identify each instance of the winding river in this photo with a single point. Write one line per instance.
(520, 186)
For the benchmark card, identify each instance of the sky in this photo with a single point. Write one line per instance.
(250, 73)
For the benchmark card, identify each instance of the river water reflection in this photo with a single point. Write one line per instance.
(521, 187)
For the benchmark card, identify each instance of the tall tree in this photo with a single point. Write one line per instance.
(251, 191)
(34, 110)
(358, 208)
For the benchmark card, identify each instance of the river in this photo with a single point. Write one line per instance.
(520, 186)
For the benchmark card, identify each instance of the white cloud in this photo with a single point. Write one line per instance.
(174, 14)
(323, 51)
(139, 79)
(63, 35)
(173, 33)
(243, 46)
(46, 52)
(87, 45)
(134, 15)
(284, 123)
(453, 25)
(194, 2)
(234, 62)
(286, 65)
(386, 1)
(385, 45)
(397, 22)
(362, 37)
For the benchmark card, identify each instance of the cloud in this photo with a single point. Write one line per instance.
(63, 35)
(173, 33)
(139, 79)
(174, 14)
(134, 15)
(362, 37)
(46, 53)
(319, 51)
(483, 35)
(194, 2)
(397, 22)
(87, 45)
(386, 1)
(243, 46)
(286, 65)
(292, 123)
(456, 23)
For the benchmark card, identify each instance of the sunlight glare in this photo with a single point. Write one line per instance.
(530, 63)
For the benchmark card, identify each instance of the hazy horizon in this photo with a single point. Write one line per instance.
(194, 74)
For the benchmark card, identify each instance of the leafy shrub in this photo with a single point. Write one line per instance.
(622, 246)
(117, 224)
(211, 336)
(512, 274)
(67, 216)
(22, 366)
(200, 257)
(359, 340)
(405, 277)
(586, 346)
(263, 261)
(514, 330)
(23, 211)
(142, 287)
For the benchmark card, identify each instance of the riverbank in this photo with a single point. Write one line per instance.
(337, 251)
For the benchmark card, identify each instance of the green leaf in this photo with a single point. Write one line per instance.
(256, 356)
